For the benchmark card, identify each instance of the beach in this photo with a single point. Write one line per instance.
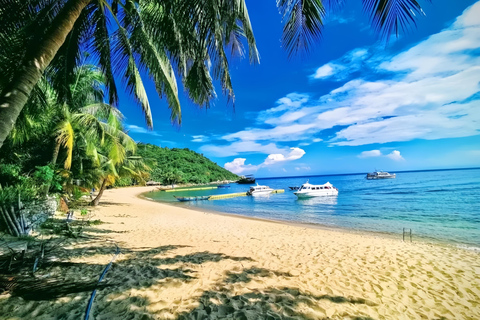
(177, 263)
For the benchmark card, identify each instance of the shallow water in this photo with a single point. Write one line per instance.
(440, 205)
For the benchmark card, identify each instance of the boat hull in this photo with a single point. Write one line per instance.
(261, 193)
(381, 178)
(317, 193)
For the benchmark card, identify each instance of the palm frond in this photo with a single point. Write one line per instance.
(303, 24)
(392, 16)
(101, 47)
(65, 136)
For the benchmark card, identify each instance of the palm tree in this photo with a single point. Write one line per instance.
(132, 166)
(157, 36)
(86, 116)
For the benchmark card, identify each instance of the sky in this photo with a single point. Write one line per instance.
(354, 103)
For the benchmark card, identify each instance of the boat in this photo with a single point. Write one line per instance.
(223, 187)
(294, 188)
(248, 179)
(380, 175)
(259, 190)
(191, 198)
(308, 190)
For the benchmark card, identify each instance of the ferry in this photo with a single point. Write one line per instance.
(308, 190)
(259, 190)
(380, 175)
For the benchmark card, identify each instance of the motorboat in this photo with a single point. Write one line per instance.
(248, 179)
(308, 190)
(259, 190)
(380, 175)
(294, 188)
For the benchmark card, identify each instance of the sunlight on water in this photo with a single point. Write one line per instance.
(442, 205)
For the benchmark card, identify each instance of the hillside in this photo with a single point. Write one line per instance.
(182, 166)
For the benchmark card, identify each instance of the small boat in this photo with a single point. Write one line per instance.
(294, 188)
(248, 179)
(259, 190)
(223, 187)
(308, 190)
(192, 198)
(380, 175)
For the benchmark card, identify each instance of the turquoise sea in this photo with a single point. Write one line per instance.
(439, 205)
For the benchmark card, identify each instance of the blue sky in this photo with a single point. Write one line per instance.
(352, 104)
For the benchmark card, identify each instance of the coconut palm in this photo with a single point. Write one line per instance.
(86, 116)
(152, 35)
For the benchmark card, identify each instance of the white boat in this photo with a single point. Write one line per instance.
(380, 175)
(259, 190)
(308, 190)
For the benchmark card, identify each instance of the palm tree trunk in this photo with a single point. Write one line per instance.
(14, 96)
(55, 154)
(100, 193)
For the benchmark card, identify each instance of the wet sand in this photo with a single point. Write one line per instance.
(178, 263)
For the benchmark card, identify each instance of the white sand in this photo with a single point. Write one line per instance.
(179, 263)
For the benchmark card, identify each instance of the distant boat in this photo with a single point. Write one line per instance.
(380, 175)
(259, 190)
(223, 186)
(248, 179)
(308, 190)
(294, 188)
(191, 198)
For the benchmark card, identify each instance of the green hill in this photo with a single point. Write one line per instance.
(182, 166)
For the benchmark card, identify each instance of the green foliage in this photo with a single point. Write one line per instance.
(10, 174)
(182, 166)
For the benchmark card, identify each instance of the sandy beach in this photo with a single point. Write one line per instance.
(183, 264)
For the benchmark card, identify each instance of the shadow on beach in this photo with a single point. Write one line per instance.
(63, 285)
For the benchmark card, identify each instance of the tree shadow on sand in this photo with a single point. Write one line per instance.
(270, 303)
(157, 269)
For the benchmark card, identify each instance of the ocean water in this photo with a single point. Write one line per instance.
(437, 205)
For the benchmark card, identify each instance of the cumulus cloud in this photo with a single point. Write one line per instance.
(395, 155)
(370, 154)
(429, 91)
(238, 166)
(295, 154)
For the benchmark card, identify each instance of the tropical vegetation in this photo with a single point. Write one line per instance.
(67, 149)
(182, 166)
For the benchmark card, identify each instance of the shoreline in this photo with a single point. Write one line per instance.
(384, 234)
(178, 263)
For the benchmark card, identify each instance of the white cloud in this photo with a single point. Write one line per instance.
(199, 138)
(295, 154)
(370, 154)
(395, 155)
(324, 71)
(429, 91)
(238, 166)
(137, 129)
